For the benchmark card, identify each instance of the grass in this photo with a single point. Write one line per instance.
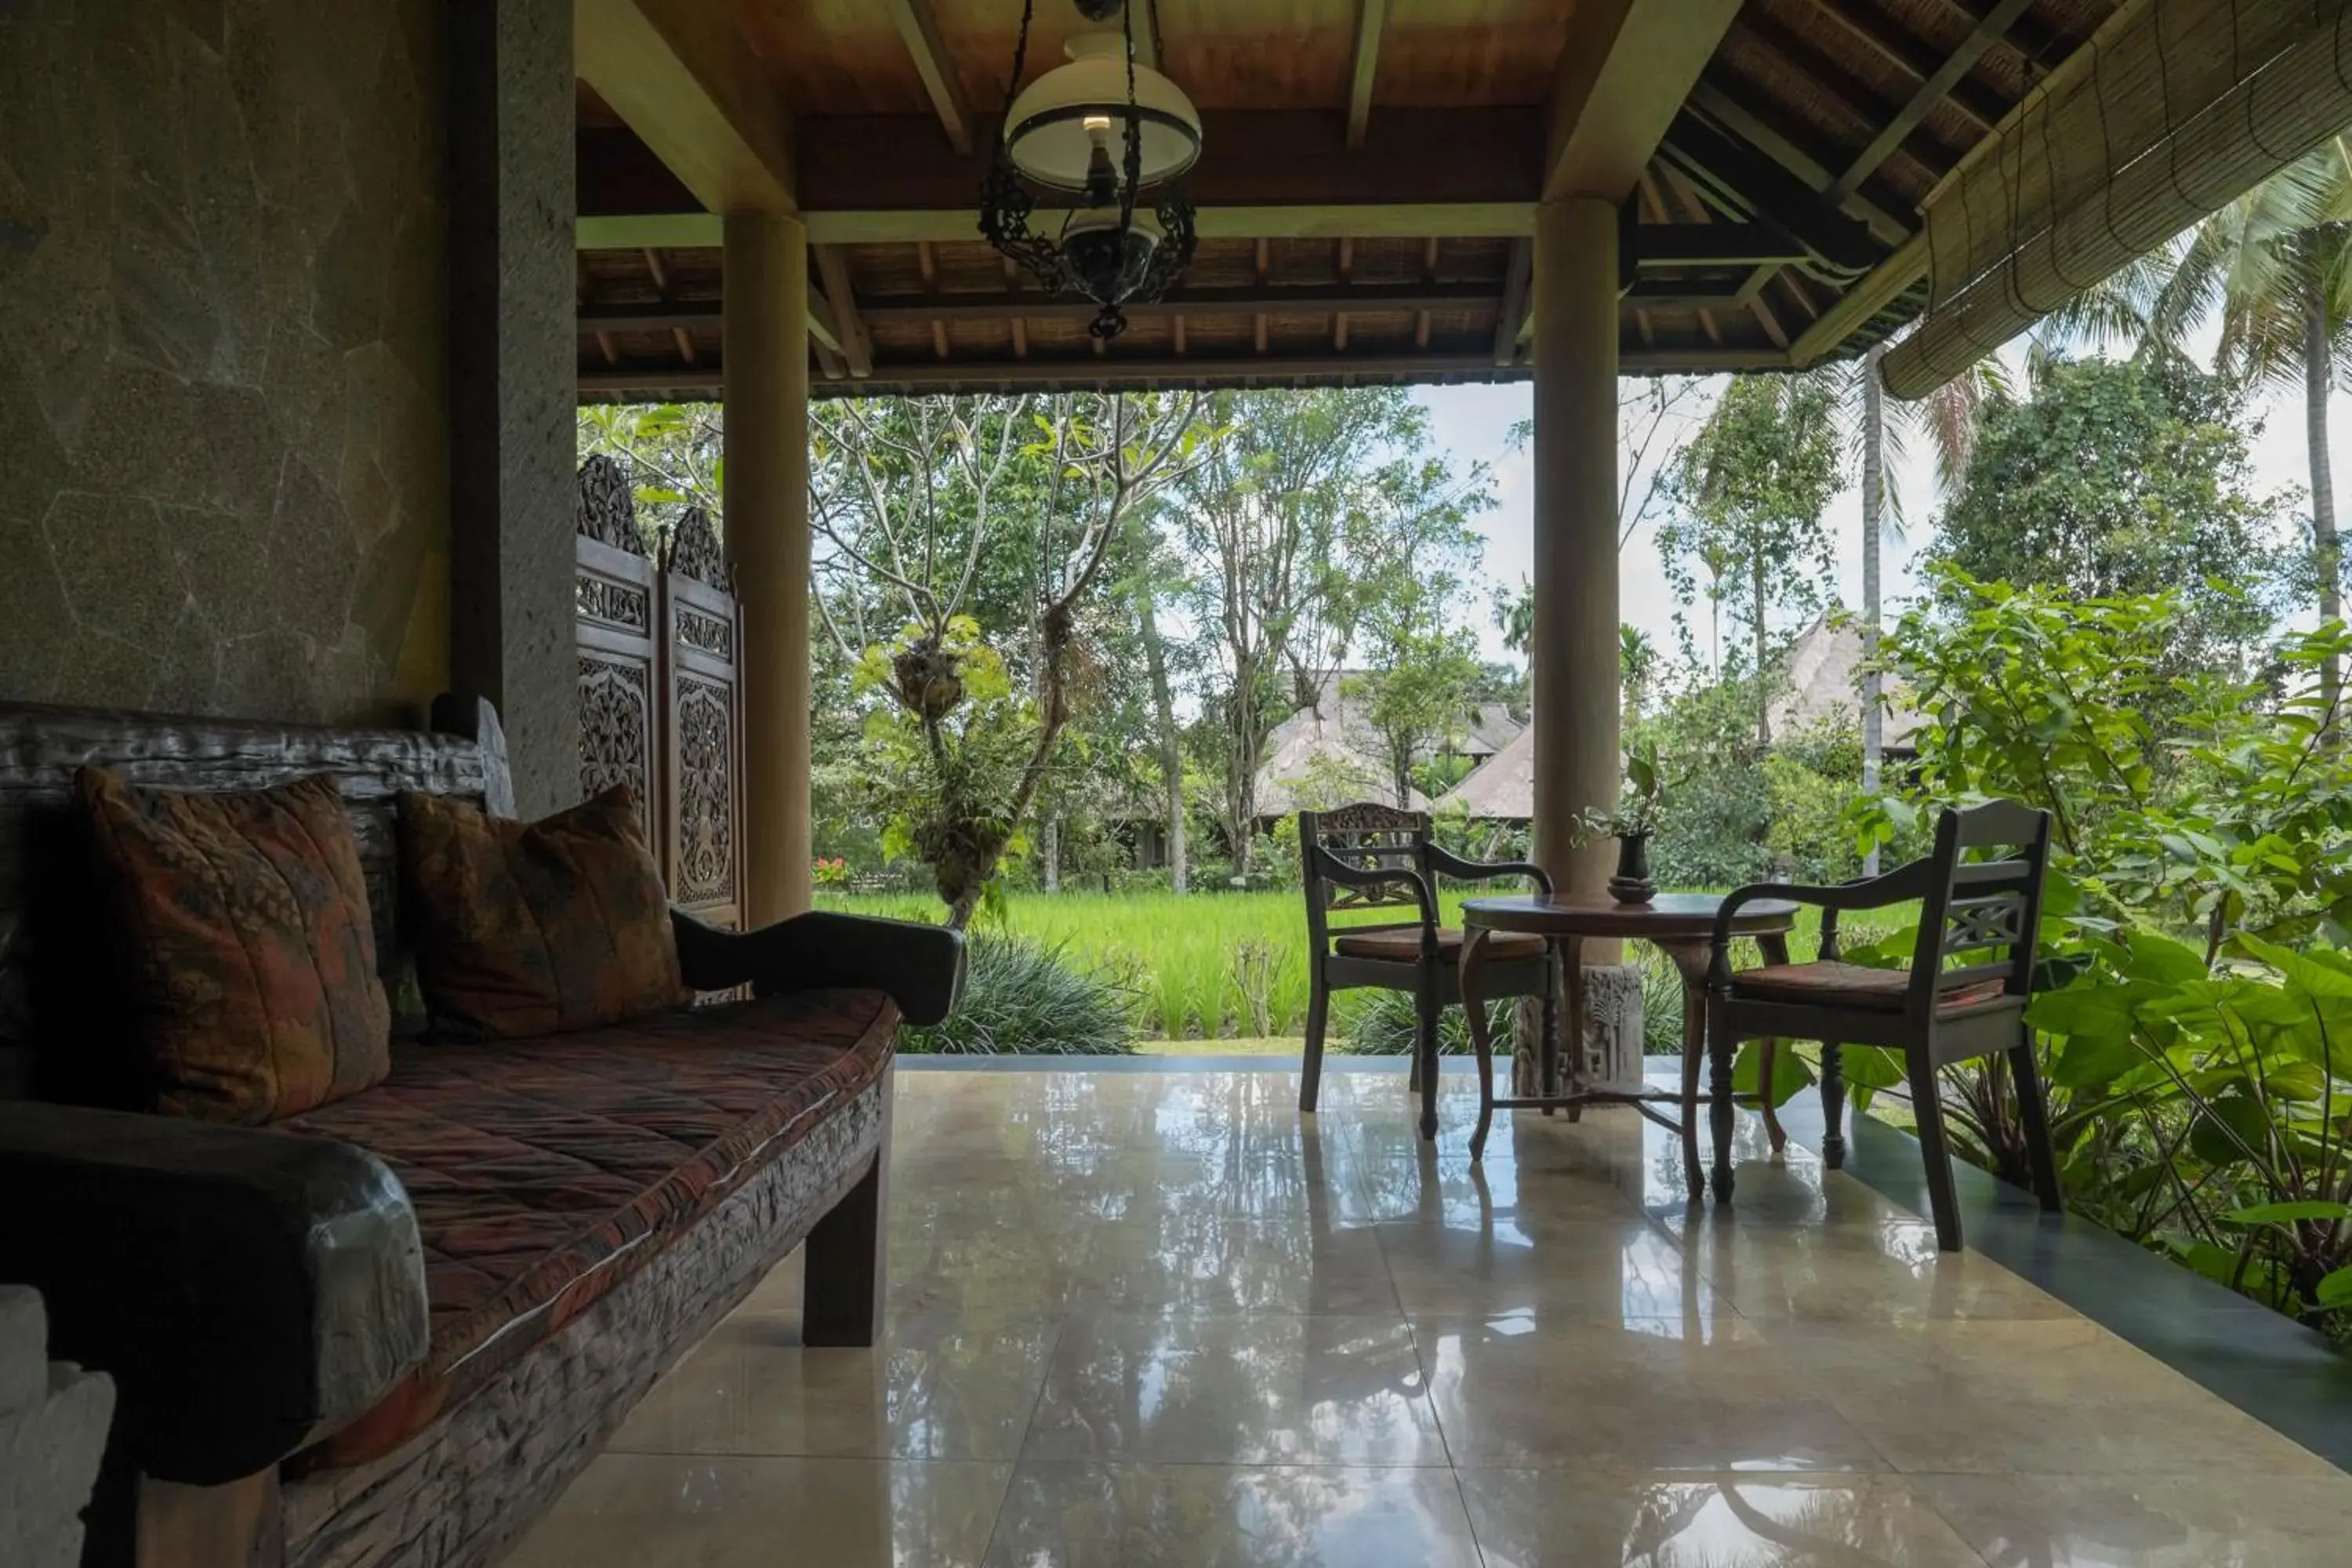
(1214, 966)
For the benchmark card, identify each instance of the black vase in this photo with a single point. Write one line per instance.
(1632, 884)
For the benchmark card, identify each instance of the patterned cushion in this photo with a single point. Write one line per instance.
(545, 1173)
(246, 945)
(528, 929)
(1403, 946)
(1828, 984)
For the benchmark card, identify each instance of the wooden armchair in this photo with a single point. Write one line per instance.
(1366, 857)
(1934, 1011)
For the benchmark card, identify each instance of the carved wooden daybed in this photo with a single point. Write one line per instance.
(391, 1330)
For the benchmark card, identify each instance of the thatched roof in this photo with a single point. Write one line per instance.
(1325, 754)
(1491, 728)
(1503, 787)
(1824, 683)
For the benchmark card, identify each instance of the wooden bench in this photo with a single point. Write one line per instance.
(303, 1381)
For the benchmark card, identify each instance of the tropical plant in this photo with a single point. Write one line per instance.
(1021, 996)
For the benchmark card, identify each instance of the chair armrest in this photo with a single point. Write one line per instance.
(249, 1291)
(921, 966)
(1453, 865)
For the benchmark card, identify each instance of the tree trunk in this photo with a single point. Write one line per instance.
(2318, 371)
(1873, 486)
(1241, 764)
(1050, 849)
(1763, 690)
(1163, 711)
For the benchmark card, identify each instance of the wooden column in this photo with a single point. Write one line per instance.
(1575, 645)
(766, 337)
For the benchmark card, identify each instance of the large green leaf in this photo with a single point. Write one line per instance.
(1790, 1073)
(2335, 1289)
(2161, 959)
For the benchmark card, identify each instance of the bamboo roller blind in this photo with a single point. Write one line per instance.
(2170, 110)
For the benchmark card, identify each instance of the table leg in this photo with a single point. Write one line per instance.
(1720, 1110)
(1775, 948)
(1572, 960)
(1482, 1045)
(1692, 970)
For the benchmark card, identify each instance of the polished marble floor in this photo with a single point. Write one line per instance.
(1162, 1319)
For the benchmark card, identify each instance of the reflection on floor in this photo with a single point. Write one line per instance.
(1163, 1319)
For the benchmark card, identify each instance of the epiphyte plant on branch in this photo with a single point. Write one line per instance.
(960, 542)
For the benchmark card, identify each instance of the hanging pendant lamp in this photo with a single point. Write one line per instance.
(1107, 130)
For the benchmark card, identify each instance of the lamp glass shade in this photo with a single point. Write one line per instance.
(1057, 121)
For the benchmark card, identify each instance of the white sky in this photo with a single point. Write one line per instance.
(1471, 422)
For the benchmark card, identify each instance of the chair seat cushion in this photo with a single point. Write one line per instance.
(1403, 946)
(545, 1172)
(1829, 984)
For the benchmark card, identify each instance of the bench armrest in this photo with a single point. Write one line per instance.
(921, 966)
(249, 1291)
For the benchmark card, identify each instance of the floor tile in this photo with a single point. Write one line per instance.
(1205, 1516)
(1602, 1269)
(2058, 1396)
(1524, 1391)
(2171, 1521)
(935, 1388)
(1886, 1270)
(637, 1511)
(1534, 1518)
(1203, 1264)
(1237, 1391)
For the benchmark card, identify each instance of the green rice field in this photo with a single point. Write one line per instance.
(1209, 965)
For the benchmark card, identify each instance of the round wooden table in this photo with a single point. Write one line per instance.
(1681, 926)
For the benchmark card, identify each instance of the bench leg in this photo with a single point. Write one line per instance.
(846, 1274)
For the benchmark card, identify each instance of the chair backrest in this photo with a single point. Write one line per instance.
(1365, 836)
(1982, 903)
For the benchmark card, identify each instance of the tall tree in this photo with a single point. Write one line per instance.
(1148, 576)
(1750, 490)
(931, 510)
(1302, 499)
(2276, 265)
(2118, 477)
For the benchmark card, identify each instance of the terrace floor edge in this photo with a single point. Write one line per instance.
(2284, 1375)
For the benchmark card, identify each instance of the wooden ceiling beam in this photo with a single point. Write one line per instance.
(857, 348)
(1713, 245)
(1896, 45)
(1514, 313)
(1730, 111)
(1372, 18)
(682, 77)
(960, 226)
(920, 30)
(1618, 85)
(1932, 92)
(1742, 178)
(1832, 76)
(1362, 300)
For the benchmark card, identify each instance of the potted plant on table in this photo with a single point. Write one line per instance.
(1631, 824)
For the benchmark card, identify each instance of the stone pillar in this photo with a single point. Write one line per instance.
(768, 544)
(514, 382)
(1574, 651)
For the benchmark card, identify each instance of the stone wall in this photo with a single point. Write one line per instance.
(224, 477)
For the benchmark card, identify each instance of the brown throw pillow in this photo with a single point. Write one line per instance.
(525, 929)
(248, 949)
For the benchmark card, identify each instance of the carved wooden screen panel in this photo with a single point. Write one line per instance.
(702, 741)
(616, 611)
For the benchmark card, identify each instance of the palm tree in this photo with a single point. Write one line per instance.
(1947, 416)
(2276, 266)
